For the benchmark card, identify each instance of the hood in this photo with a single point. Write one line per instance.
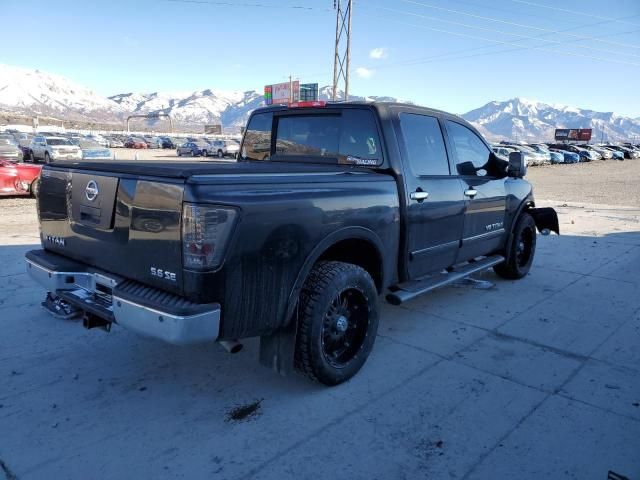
(96, 152)
(9, 149)
(58, 147)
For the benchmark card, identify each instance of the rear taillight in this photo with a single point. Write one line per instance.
(206, 230)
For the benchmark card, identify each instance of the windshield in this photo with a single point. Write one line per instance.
(58, 141)
(6, 141)
(527, 150)
(89, 144)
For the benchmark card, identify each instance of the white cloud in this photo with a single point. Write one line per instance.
(378, 53)
(363, 72)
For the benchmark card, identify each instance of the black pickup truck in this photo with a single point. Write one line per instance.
(327, 208)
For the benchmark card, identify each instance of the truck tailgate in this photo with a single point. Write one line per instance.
(119, 222)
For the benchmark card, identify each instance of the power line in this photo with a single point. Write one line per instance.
(257, 5)
(502, 32)
(515, 24)
(502, 42)
(575, 12)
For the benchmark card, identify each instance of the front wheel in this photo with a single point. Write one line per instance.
(220, 154)
(47, 158)
(521, 251)
(337, 323)
(34, 188)
(204, 153)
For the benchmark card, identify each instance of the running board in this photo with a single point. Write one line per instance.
(406, 291)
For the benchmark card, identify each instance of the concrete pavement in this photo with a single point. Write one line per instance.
(538, 378)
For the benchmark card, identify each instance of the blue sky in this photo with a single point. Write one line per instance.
(442, 53)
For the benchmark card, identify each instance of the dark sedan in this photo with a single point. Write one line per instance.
(192, 149)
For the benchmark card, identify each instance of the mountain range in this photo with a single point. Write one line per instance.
(29, 92)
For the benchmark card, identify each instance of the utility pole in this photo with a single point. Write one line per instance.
(290, 89)
(342, 56)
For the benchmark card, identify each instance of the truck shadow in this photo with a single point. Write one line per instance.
(93, 364)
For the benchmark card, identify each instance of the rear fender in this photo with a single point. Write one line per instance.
(277, 350)
(546, 219)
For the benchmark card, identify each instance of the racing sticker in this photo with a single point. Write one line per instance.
(364, 162)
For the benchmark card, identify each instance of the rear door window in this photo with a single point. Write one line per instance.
(346, 137)
(424, 144)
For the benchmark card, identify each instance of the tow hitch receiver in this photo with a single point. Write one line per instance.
(89, 320)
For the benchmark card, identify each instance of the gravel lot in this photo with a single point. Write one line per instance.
(533, 379)
(609, 182)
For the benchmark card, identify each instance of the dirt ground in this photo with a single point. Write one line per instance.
(605, 182)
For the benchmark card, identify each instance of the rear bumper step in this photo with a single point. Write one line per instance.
(406, 291)
(145, 310)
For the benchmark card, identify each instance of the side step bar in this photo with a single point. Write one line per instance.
(406, 291)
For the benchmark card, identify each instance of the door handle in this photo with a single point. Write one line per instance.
(471, 192)
(419, 196)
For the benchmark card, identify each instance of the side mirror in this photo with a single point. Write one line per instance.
(517, 165)
(466, 168)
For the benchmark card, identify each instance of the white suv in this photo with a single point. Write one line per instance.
(50, 149)
(222, 148)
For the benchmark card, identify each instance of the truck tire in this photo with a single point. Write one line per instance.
(34, 188)
(521, 251)
(337, 323)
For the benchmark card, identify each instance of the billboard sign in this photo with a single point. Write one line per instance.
(213, 129)
(268, 96)
(282, 93)
(309, 92)
(573, 134)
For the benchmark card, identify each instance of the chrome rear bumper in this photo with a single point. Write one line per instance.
(102, 294)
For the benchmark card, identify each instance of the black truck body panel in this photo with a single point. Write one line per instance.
(290, 215)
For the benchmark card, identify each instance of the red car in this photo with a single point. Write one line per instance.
(135, 142)
(19, 178)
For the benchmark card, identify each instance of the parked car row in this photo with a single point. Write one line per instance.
(205, 148)
(547, 153)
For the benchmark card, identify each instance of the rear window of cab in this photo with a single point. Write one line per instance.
(349, 136)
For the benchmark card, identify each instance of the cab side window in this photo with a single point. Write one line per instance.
(424, 144)
(472, 155)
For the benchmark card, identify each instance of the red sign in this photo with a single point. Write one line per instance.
(575, 134)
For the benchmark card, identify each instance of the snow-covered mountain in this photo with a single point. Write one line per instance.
(34, 92)
(530, 120)
(193, 108)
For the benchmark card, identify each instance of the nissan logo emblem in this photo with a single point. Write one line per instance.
(91, 192)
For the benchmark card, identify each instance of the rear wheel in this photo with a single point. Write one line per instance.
(521, 251)
(338, 322)
(179, 153)
(204, 153)
(220, 154)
